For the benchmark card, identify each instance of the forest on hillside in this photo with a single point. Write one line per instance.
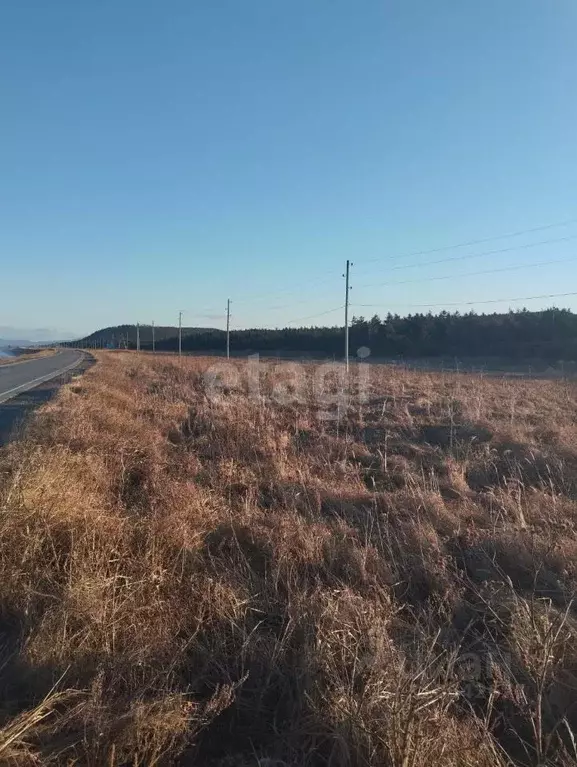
(549, 335)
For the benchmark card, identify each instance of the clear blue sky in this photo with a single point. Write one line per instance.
(157, 156)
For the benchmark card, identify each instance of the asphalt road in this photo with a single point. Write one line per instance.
(22, 376)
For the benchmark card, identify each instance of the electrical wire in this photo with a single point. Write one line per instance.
(213, 314)
(294, 289)
(210, 313)
(469, 256)
(476, 274)
(470, 303)
(313, 316)
(480, 241)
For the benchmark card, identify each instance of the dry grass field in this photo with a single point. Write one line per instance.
(200, 574)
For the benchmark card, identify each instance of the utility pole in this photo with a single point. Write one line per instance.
(153, 344)
(347, 290)
(180, 334)
(137, 336)
(228, 329)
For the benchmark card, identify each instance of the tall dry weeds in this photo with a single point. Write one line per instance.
(230, 580)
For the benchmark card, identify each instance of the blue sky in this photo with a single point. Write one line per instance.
(157, 156)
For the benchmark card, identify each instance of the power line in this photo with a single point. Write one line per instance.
(315, 283)
(475, 274)
(480, 241)
(446, 260)
(214, 313)
(295, 289)
(472, 303)
(470, 256)
(450, 259)
(313, 316)
(286, 306)
(444, 277)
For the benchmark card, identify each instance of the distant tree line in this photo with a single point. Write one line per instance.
(548, 335)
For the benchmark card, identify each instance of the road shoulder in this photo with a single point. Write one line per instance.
(15, 411)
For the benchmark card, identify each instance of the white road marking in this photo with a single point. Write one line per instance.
(6, 395)
(32, 359)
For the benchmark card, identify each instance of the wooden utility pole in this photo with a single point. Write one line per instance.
(347, 290)
(228, 329)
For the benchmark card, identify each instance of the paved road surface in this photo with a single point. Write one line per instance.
(22, 376)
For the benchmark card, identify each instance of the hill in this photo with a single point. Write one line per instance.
(120, 336)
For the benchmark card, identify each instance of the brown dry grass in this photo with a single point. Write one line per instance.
(228, 580)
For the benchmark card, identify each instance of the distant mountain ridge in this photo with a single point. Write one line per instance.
(26, 336)
(7, 343)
